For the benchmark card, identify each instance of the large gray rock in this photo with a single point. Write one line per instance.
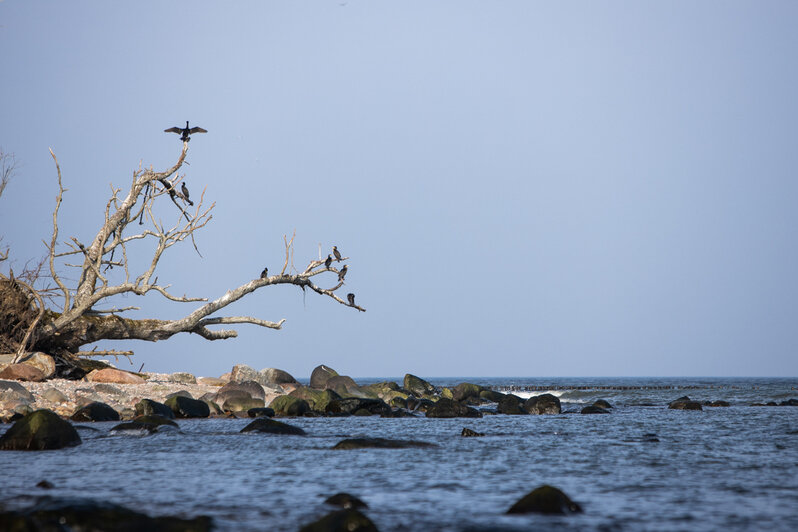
(186, 407)
(287, 405)
(251, 388)
(242, 373)
(512, 405)
(95, 412)
(320, 376)
(275, 377)
(344, 386)
(417, 386)
(543, 404)
(13, 390)
(148, 407)
(39, 430)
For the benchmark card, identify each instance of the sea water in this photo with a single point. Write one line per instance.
(730, 468)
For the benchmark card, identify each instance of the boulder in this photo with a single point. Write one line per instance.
(148, 407)
(345, 500)
(186, 407)
(51, 395)
(418, 405)
(181, 393)
(251, 388)
(417, 386)
(114, 376)
(358, 405)
(684, 403)
(349, 520)
(51, 514)
(593, 409)
(108, 388)
(243, 373)
(380, 443)
(273, 376)
(271, 426)
(512, 405)
(183, 378)
(242, 403)
(447, 393)
(468, 433)
(212, 407)
(466, 390)
(543, 404)
(344, 386)
(320, 376)
(449, 408)
(95, 412)
(39, 430)
(41, 361)
(156, 420)
(789, 402)
(260, 412)
(317, 399)
(545, 500)
(16, 389)
(601, 403)
(491, 395)
(287, 405)
(22, 372)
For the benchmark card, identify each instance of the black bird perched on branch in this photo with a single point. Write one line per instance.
(351, 298)
(336, 253)
(184, 188)
(342, 273)
(328, 262)
(265, 273)
(184, 132)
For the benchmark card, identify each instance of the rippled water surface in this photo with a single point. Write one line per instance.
(732, 468)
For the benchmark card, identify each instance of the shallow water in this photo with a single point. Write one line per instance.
(732, 468)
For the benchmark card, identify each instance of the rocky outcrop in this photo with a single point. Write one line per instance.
(148, 407)
(320, 376)
(545, 500)
(95, 411)
(287, 405)
(445, 408)
(684, 403)
(271, 426)
(114, 376)
(349, 520)
(51, 514)
(38, 431)
(417, 386)
(186, 407)
(543, 404)
(243, 373)
(380, 443)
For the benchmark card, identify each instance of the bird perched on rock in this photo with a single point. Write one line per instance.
(184, 188)
(328, 262)
(336, 253)
(351, 298)
(184, 132)
(342, 273)
(265, 273)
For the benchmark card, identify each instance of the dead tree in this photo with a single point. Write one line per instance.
(61, 319)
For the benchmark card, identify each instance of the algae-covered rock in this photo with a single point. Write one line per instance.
(271, 426)
(242, 403)
(543, 404)
(320, 376)
(148, 407)
(417, 386)
(446, 408)
(447, 393)
(380, 443)
(466, 390)
(186, 407)
(545, 500)
(316, 399)
(287, 405)
(491, 395)
(95, 411)
(38, 431)
(349, 520)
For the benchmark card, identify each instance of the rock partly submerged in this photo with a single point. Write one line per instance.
(348, 520)
(271, 426)
(380, 443)
(95, 411)
(545, 500)
(38, 431)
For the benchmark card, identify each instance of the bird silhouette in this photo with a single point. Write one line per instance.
(184, 188)
(351, 298)
(328, 262)
(265, 273)
(342, 273)
(184, 132)
(336, 253)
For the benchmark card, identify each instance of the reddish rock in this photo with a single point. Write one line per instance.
(22, 372)
(115, 376)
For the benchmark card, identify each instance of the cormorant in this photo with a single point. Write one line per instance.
(184, 132)
(328, 262)
(351, 298)
(184, 188)
(342, 273)
(336, 253)
(265, 273)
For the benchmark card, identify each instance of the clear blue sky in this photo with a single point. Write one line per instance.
(524, 188)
